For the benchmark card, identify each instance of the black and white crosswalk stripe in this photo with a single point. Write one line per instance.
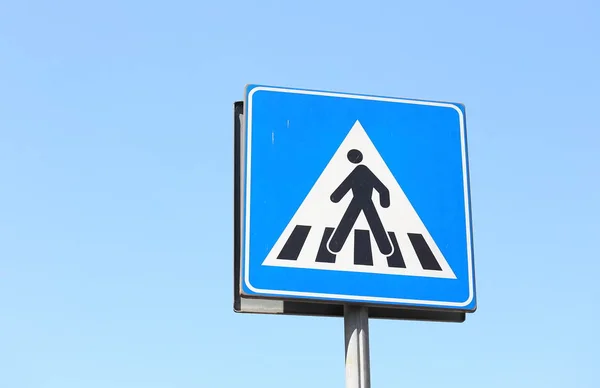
(293, 246)
(395, 260)
(323, 254)
(363, 251)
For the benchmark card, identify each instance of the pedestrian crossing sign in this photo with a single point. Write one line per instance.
(354, 198)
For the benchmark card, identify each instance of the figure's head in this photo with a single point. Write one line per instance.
(355, 156)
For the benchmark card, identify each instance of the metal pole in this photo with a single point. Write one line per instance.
(356, 331)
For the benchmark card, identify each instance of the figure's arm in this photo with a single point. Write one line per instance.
(384, 193)
(342, 189)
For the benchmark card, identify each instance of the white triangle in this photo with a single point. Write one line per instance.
(319, 212)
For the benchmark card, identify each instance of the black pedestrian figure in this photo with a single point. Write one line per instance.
(362, 182)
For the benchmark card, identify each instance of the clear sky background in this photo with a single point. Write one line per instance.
(116, 188)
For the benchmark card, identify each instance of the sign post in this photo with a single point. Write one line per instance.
(352, 206)
(356, 332)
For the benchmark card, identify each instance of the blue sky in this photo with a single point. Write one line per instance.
(116, 199)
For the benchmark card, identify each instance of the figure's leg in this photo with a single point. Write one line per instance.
(381, 237)
(343, 230)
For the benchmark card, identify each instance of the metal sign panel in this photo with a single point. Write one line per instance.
(353, 198)
(257, 305)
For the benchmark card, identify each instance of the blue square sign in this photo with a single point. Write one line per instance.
(355, 198)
